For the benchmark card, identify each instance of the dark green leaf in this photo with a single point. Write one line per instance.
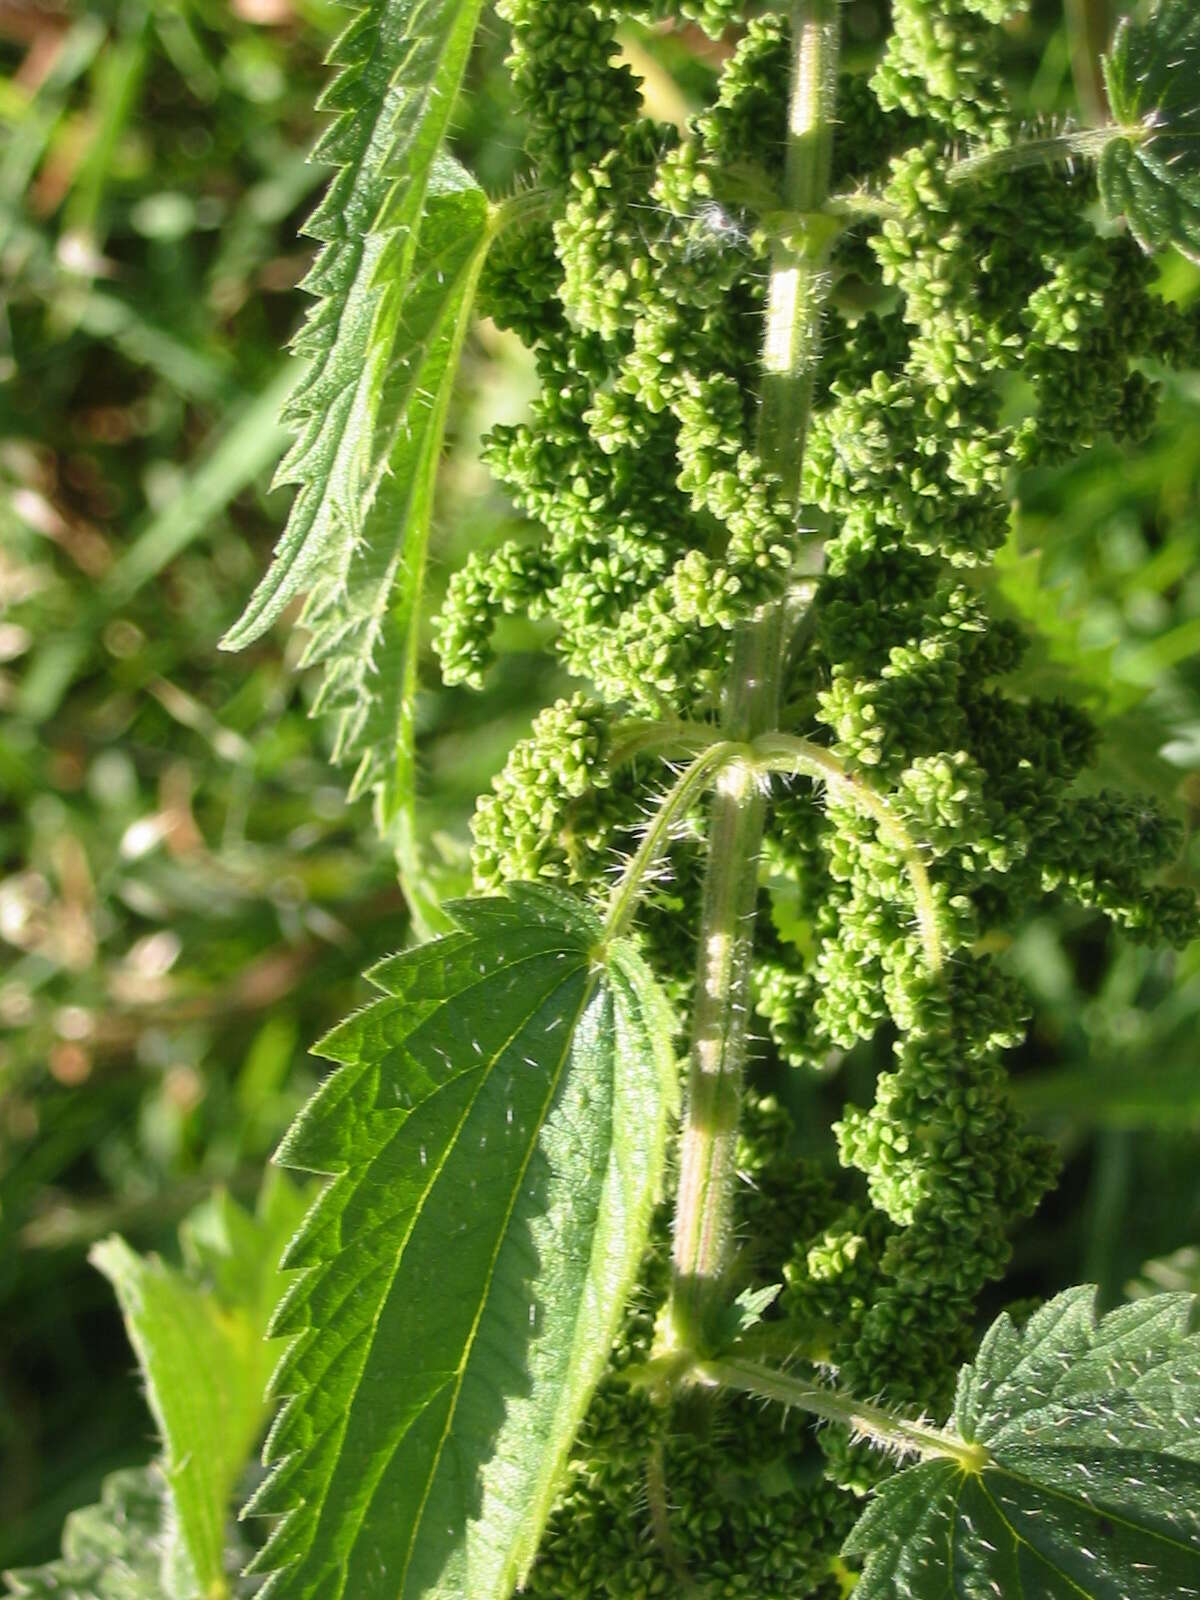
(495, 1139)
(1152, 176)
(200, 1340)
(112, 1551)
(361, 613)
(1089, 1482)
(404, 231)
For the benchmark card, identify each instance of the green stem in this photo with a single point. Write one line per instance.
(698, 777)
(522, 207)
(660, 1521)
(640, 736)
(1087, 143)
(782, 752)
(882, 1427)
(795, 295)
(791, 349)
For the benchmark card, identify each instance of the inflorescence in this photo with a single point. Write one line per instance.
(971, 329)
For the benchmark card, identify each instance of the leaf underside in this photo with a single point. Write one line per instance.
(199, 1337)
(403, 231)
(1093, 1487)
(110, 1551)
(494, 1138)
(1153, 78)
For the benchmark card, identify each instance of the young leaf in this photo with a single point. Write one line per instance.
(495, 1140)
(1152, 176)
(111, 1551)
(199, 1335)
(746, 1312)
(1088, 1480)
(404, 231)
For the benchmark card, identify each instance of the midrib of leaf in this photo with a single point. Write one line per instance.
(460, 1370)
(436, 1172)
(436, 1169)
(538, 1003)
(638, 1021)
(429, 1421)
(397, 796)
(588, 994)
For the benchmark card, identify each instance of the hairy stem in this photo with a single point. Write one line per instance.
(882, 1427)
(1087, 143)
(623, 904)
(641, 736)
(660, 1521)
(791, 343)
(707, 1175)
(781, 752)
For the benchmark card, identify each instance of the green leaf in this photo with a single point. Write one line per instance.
(746, 1312)
(361, 617)
(404, 233)
(200, 1340)
(495, 1141)
(1152, 175)
(111, 1551)
(1088, 1486)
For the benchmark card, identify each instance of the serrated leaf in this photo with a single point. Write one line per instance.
(404, 232)
(495, 1139)
(1089, 1482)
(200, 1340)
(746, 1312)
(361, 616)
(110, 1551)
(1152, 176)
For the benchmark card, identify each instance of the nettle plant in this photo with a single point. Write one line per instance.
(564, 1312)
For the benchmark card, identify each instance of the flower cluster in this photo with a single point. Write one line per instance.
(977, 325)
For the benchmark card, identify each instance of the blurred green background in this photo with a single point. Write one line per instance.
(186, 899)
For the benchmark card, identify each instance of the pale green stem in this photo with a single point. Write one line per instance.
(525, 206)
(634, 737)
(1087, 143)
(660, 1521)
(796, 292)
(680, 799)
(791, 350)
(872, 1422)
(781, 752)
